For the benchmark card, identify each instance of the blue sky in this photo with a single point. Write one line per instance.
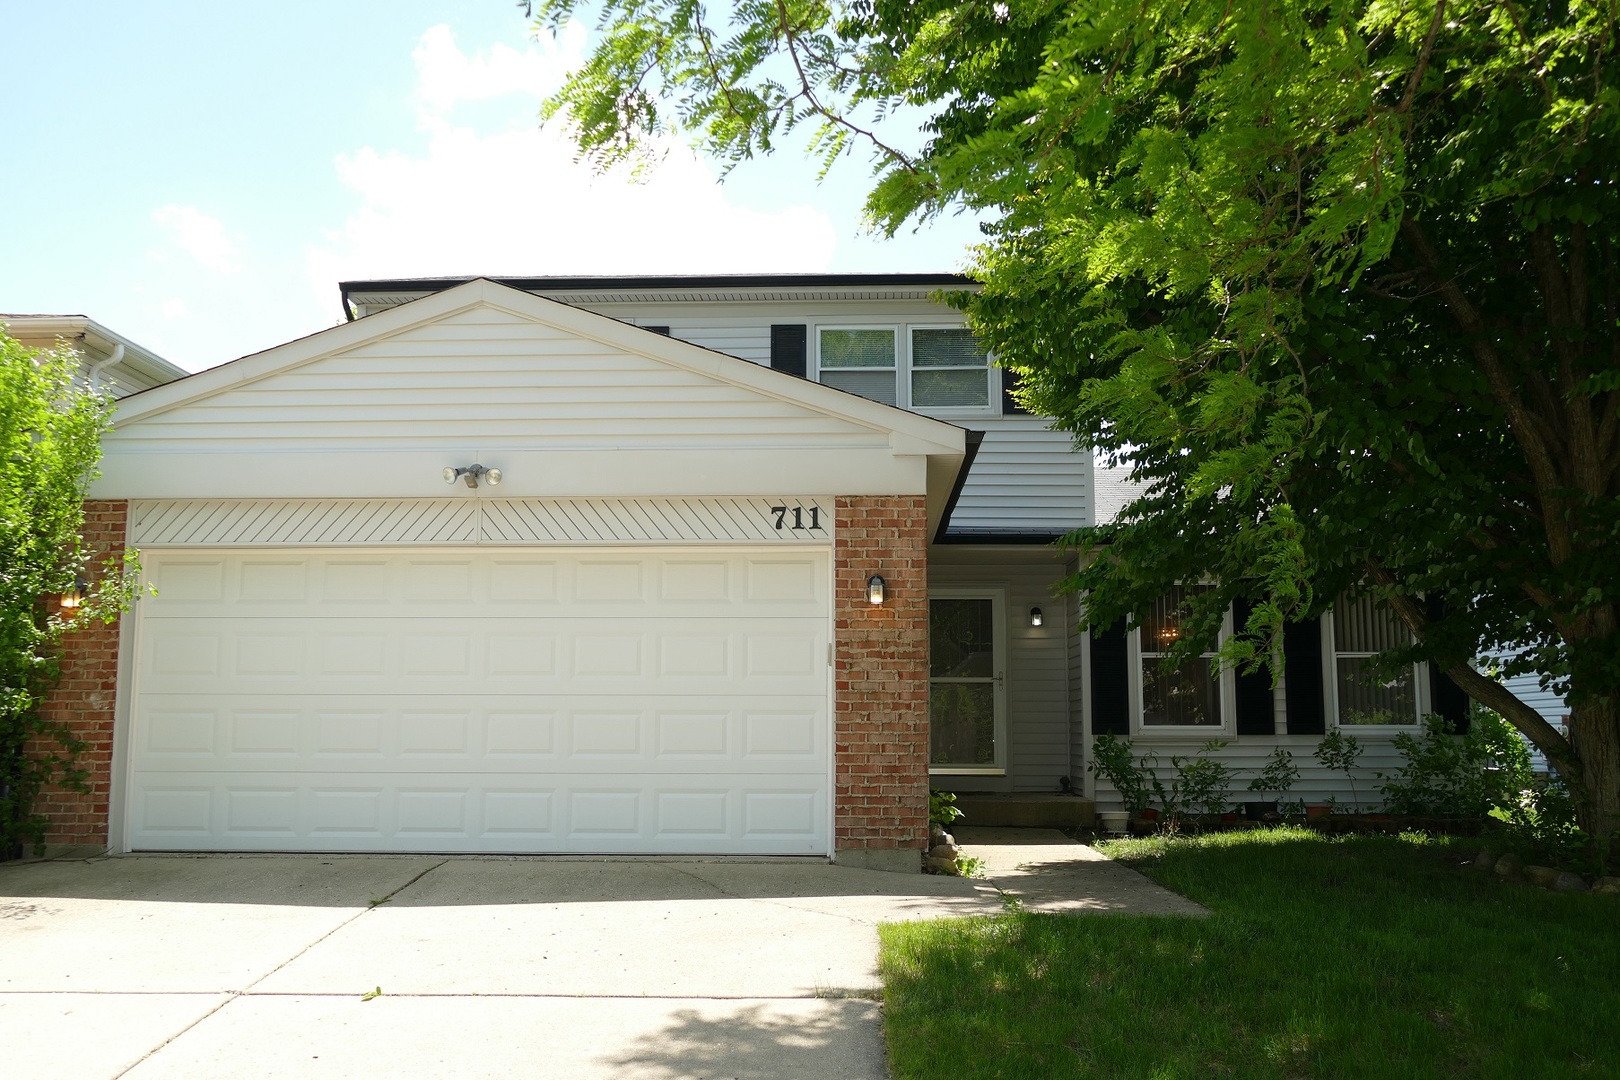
(199, 176)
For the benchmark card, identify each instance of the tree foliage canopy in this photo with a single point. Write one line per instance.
(50, 431)
(1338, 279)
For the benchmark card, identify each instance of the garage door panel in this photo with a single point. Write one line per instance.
(284, 584)
(202, 656)
(700, 813)
(505, 734)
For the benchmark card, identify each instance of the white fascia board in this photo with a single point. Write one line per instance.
(97, 337)
(624, 473)
(916, 433)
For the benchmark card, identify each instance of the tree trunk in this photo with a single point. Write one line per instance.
(1594, 728)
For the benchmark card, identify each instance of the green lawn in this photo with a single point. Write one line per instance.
(1353, 957)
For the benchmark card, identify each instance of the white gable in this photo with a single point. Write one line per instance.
(565, 402)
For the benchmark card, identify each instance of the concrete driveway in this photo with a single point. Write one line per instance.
(260, 966)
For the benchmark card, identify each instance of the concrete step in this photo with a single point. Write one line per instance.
(1038, 811)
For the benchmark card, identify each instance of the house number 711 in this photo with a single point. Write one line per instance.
(798, 522)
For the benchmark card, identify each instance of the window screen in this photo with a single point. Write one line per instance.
(860, 361)
(1362, 628)
(948, 368)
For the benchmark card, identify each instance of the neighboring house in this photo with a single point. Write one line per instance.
(767, 557)
(109, 361)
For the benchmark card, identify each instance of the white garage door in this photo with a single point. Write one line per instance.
(508, 701)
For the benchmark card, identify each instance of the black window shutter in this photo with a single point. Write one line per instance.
(658, 329)
(1256, 712)
(789, 346)
(1010, 381)
(1110, 682)
(1448, 699)
(1302, 671)
(1445, 696)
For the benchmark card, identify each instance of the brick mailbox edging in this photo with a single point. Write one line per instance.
(84, 698)
(880, 694)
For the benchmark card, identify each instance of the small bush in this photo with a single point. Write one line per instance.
(1201, 782)
(1445, 776)
(942, 808)
(1112, 760)
(1340, 752)
(1539, 825)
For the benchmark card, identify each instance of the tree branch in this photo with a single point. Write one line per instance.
(1487, 691)
(1523, 423)
(1422, 65)
(808, 93)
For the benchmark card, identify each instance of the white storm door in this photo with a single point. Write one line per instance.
(671, 701)
(967, 698)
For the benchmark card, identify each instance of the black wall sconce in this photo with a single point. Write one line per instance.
(73, 599)
(874, 588)
(1035, 617)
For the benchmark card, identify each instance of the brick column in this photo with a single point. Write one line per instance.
(880, 715)
(83, 699)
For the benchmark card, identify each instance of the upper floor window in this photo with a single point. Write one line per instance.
(948, 369)
(918, 367)
(1186, 695)
(1359, 629)
(861, 361)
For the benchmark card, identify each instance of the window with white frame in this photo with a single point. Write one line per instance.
(1359, 629)
(948, 369)
(1170, 695)
(861, 360)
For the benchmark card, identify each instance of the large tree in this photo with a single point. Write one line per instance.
(1338, 279)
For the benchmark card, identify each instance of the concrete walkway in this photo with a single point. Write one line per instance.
(258, 966)
(1048, 872)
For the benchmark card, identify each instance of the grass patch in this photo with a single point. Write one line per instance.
(1358, 957)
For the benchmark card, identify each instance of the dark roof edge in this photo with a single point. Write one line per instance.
(665, 281)
(991, 536)
(971, 444)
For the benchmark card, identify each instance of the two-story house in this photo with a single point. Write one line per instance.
(737, 564)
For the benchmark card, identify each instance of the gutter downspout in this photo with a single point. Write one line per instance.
(97, 368)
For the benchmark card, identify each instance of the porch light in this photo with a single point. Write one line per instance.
(73, 599)
(874, 588)
(1035, 617)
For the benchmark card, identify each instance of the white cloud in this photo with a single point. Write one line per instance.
(202, 237)
(446, 75)
(174, 308)
(516, 202)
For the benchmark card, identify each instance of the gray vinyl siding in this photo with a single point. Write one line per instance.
(1025, 476)
(1037, 676)
(1079, 723)
(1247, 754)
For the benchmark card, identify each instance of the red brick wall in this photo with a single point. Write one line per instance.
(881, 664)
(83, 699)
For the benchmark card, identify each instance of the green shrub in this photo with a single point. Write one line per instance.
(1444, 776)
(1339, 752)
(942, 808)
(1201, 782)
(1539, 825)
(1113, 761)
